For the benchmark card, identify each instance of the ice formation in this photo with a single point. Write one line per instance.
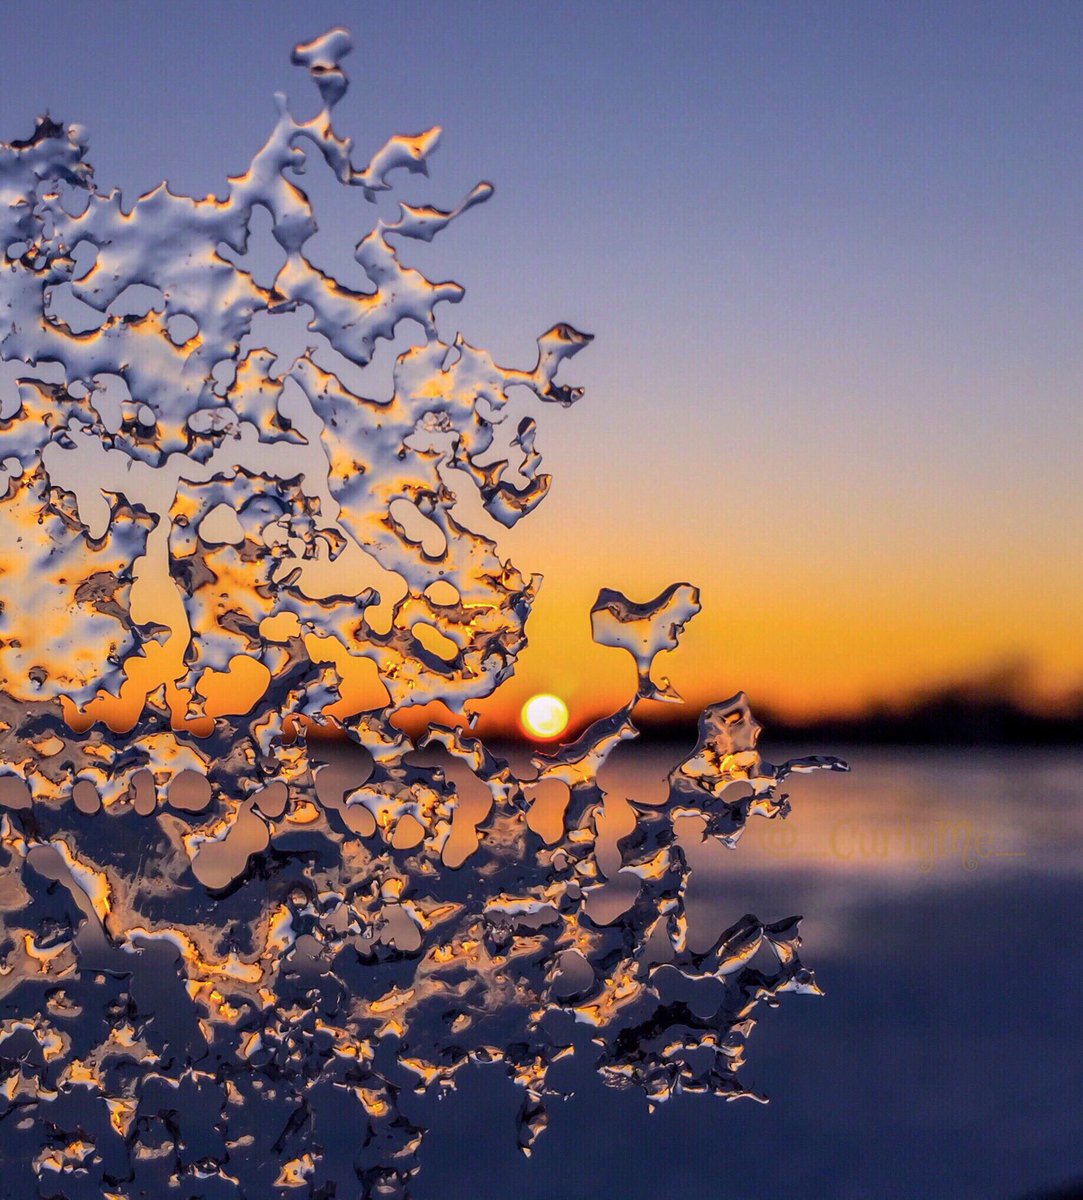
(228, 937)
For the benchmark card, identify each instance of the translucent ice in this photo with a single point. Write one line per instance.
(243, 909)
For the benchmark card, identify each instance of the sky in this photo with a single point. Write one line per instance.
(830, 254)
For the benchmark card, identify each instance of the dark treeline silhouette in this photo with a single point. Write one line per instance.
(993, 709)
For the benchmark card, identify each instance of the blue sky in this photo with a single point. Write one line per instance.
(831, 254)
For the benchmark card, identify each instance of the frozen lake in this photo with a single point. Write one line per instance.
(942, 894)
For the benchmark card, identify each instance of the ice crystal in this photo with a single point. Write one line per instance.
(243, 909)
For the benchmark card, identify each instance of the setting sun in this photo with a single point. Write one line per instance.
(544, 716)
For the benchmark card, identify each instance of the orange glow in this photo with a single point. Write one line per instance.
(544, 716)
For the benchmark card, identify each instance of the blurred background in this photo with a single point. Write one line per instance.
(830, 254)
(941, 891)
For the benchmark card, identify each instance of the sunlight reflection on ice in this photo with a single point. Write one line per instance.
(247, 912)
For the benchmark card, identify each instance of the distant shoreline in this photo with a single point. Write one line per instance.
(946, 724)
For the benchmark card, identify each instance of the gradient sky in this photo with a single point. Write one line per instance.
(831, 255)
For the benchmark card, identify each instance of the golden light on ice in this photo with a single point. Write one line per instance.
(304, 565)
(544, 716)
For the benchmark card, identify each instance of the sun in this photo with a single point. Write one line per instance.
(544, 716)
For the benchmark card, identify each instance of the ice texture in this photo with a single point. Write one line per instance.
(244, 912)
